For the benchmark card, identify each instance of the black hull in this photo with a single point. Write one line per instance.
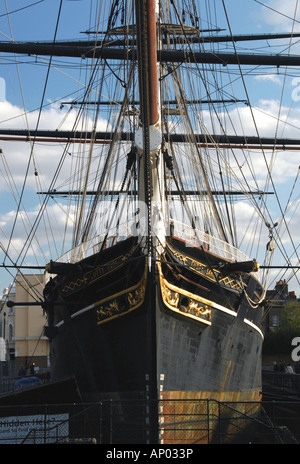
(131, 335)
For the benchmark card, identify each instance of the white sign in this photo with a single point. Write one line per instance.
(2, 349)
(36, 429)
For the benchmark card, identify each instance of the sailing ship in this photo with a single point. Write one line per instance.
(155, 301)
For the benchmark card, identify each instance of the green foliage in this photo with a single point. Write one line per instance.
(290, 316)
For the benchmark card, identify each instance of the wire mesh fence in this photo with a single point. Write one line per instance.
(162, 422)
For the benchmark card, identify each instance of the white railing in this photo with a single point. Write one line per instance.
(92, 246)
(196, 237)
(192, 237)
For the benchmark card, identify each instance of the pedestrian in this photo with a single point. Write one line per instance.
(281, 367)
(32, 368)
(275, 366)
(297, 367)
(289, 369)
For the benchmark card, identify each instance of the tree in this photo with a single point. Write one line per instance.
(290, 316)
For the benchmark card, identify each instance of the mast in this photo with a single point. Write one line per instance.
(148, 138)
(152, 63)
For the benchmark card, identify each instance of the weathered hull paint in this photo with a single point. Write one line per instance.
(131, 335)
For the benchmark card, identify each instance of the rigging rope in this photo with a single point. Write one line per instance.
(256, 128)
(32, 146)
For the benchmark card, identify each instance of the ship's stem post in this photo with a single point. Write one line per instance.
(148, 142)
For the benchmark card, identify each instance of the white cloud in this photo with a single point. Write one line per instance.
(41, 161)
(282, 15)
(269, 78)
(46, 157)
(51, 230)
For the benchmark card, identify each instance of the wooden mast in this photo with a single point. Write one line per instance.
(152, 63)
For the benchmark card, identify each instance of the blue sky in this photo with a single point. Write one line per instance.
(38, 22)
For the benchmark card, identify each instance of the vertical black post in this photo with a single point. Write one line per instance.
(143, 10)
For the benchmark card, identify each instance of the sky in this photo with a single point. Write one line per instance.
(22, 87)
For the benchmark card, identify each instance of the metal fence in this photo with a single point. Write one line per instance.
(283, 382)
(165, 422)
(7, 376)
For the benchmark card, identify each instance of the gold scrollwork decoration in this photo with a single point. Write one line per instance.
(123, 302)
(108, 311)
(193, 307)
(213, 275)
(99, 272)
